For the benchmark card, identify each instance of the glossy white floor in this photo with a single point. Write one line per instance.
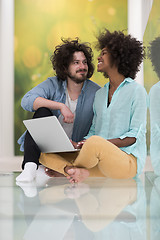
(99, 208)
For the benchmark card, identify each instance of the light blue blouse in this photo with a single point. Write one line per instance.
(154, 102)
(124, 117)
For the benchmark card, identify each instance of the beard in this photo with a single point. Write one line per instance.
(76, 79)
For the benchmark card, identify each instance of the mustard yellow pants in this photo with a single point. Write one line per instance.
(99, 156)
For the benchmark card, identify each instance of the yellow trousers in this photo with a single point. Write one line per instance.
(99, 156)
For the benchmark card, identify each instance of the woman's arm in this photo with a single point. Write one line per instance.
(123, 142)
(137, 122)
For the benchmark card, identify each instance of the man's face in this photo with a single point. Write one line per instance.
(78, 68)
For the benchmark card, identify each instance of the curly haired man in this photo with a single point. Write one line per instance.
(69, 96)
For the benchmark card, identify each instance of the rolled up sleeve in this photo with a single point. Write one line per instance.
(138, 115)
(42, 90)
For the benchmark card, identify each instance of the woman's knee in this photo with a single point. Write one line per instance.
(95, 141)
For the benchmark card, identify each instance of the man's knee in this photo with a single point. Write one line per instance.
(42, 112)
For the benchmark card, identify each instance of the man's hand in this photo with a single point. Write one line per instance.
(67, 114)
(65, 111)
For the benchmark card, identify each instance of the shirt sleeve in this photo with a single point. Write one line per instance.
(154, 100)
(21, 141)
(92, 128)
(138, 115)
(42, 90)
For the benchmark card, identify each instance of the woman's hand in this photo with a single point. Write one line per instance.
(74, 144)
(78, 145)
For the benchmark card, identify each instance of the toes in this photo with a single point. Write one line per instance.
(71, 171)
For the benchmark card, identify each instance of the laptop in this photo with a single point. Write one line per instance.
(49, 135)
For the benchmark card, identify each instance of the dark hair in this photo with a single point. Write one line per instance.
(126, 52)
(154, 52)
(63, 55)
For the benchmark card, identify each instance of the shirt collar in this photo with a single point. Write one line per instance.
(128, 79)
(84, 85)
(122, 83)
(64, 84)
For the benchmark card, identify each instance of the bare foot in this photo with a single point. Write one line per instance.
(52, 173)
(76, 174)
(76, 190)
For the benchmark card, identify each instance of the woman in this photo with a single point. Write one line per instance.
(154, 100)
(116, 143)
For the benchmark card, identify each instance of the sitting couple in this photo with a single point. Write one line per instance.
(108, 124)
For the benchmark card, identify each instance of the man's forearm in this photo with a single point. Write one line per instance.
(42, 102)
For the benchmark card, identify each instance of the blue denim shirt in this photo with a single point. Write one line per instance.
(55, 90)
(124, 117)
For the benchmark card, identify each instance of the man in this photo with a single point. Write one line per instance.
(69, 96)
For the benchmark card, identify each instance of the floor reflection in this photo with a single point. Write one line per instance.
(96, 209)
(154, 206)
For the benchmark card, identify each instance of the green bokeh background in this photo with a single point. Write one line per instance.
(39, 26)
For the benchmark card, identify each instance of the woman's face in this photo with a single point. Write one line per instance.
(104, 61)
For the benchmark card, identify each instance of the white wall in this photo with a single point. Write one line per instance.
(6, 77)
(138, 14)
(0, 85)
